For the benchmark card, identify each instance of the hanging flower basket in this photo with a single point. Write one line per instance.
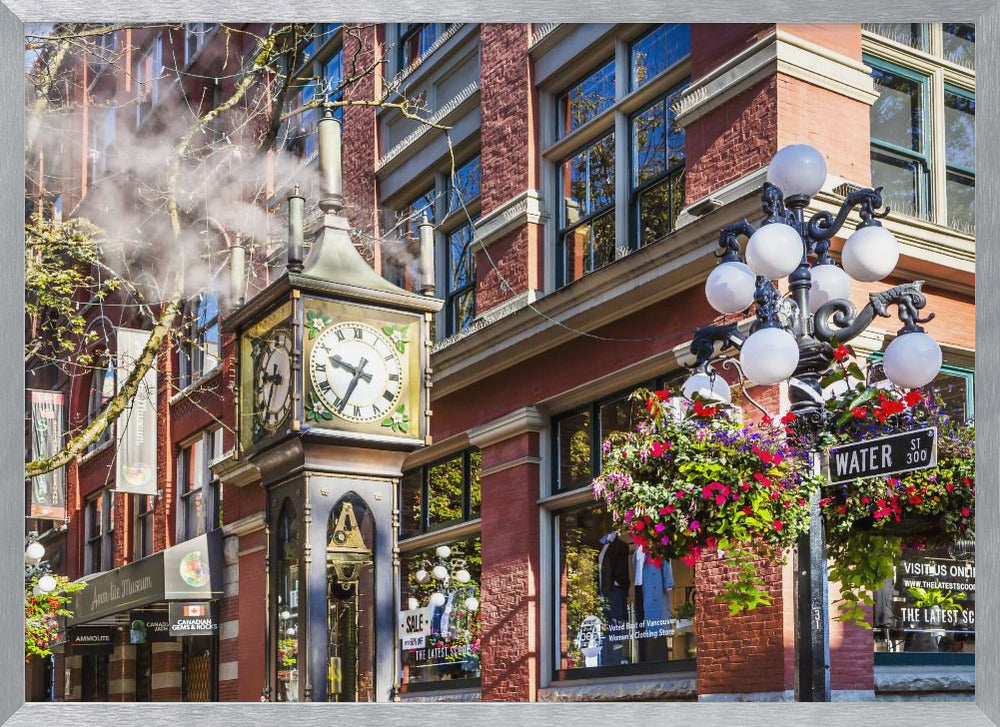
(869, 521)
(691, 478)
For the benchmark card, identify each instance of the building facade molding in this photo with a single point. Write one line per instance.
(777, 52)
(466, 98)
(526, 208)
(513, 424)
(235, 472)
(667, 687)
(245, 525)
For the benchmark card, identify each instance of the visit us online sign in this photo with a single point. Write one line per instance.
(903, 452)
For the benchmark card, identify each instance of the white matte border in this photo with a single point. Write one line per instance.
(985, 711)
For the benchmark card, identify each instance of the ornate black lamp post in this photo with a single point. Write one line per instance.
(793, 336)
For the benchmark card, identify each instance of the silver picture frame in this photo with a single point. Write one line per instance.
(986, 708)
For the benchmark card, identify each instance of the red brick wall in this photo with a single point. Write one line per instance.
(360, 132)
(167, 662)
(509, 582)
(712, 43)
(252, 614)
(509, 161)
(732, 140)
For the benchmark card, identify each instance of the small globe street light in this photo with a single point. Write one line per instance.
(793, 335)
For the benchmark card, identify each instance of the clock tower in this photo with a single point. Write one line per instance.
(333, 383)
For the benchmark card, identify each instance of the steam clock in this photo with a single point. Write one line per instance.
(333, 393)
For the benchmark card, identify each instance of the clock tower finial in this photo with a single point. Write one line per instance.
(331, 193)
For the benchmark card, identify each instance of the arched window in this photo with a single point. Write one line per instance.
(287, 605)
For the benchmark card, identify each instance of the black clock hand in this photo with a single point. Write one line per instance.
(359, 373)
(338, 361)
(275, 379)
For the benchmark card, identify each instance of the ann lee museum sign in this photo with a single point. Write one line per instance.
(896, 453)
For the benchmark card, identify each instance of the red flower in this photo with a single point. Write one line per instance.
(841, 352)
(842, 509)
(966, 512)
(639, 525)
(704, 411)
(915, 499)
(913, 397)
(767, 420)
(720, 500)
(866, 499)
(788, 418)
(662, 394)
(667, 510)
(859, 412)
(747, 510)
(656, 449)
(778, 525)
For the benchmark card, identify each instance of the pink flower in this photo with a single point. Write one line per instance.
(720, 500)
(694, 526)
(659, 528)
(966, 512)
(778, 525)
(667, 510)
(665, 539)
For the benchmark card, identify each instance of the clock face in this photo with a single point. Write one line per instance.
(273, 379)
(356, 371)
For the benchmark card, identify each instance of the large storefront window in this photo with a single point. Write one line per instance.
(440, 585)
(286, 632)
(616, 609)
(903, 620)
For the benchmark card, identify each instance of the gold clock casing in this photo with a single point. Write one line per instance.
(336, 337)
(256, 346)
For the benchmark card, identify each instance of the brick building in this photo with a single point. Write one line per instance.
(593, 168)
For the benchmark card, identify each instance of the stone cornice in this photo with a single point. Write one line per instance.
(777, 52)
(518, 422)
(246, 525)
(527, 207)
(235, 472)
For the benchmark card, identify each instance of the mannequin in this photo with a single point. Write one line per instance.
(613, 574)
(653, 587)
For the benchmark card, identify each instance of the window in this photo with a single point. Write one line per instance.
(102, 388)
(195, 35)
(657, 169)
(442, 581)
(899, 625)
(959, 44)
(147, 74)
(143, 508)
(587, 99)
(198, 491)
(615, 608)
(659, 49)
(591, 231)
(102, 139)
(960, 156)
(415, 39)
(923, 123)
(333, 77)
(287, 605)
(441, 494)
(899, 139)
(199, 353)
(577, 435)
(401, 258)
(587, 218)
(460, 262)
(913, 35)
(99, 526)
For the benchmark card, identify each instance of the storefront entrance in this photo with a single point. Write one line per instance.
(198, 669)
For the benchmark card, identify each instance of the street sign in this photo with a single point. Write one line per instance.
(903, 452)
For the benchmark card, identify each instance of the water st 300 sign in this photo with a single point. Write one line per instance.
(903, 452)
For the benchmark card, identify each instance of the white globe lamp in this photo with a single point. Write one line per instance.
(706, 386)
(443, 551)
(437, 599)
(769, 355)
(413, 603)
(798, 169)
(440, 572)
(421, 576)
(47, 584)
(828, 283)
(912, 360)
(730, 287)
(462, 576)
(870, 253)
(774, 250)
(34, 553)
(472, 603)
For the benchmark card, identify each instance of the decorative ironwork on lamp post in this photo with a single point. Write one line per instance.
(793, 335)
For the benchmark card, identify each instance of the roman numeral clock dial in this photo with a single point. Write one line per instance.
(273, 379)
(356, 371)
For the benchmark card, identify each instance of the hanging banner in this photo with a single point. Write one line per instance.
(136, 457)
(48, 491)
